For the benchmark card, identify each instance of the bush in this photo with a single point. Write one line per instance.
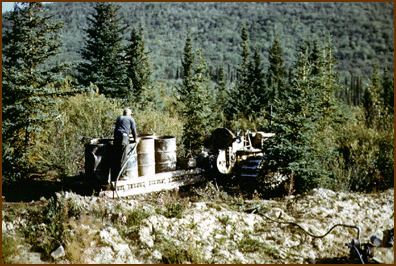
(82, 117)
(87, 116)
(366, 161)
(9, 246)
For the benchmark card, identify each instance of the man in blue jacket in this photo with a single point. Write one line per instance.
(123, 126)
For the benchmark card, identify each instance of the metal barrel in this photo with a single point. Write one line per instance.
(165, 154)
(98, 161)
(131, 168)
(146, 156)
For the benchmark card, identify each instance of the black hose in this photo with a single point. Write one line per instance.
(292, 223)
(358, 254)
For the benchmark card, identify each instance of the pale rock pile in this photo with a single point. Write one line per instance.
(218, 233)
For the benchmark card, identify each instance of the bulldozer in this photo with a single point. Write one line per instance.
(238, 158)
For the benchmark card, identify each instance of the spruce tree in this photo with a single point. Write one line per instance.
(104, 64)
(138, 65)
(221, 91)
(256, 89)
(195, 98)
(187, 64)
(27, 94)
(293, 151)
(276, 78)
(373, 106)
(221, 88)
(240, 95)
(197, 110)
(388, 95)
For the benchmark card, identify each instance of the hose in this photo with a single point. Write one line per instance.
(122, 169)
(305, 231)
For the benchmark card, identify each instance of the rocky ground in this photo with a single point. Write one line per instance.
(198, 225)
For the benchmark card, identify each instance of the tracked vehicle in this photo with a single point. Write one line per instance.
(239, 158)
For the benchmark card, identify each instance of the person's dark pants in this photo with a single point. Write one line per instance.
(119, 157)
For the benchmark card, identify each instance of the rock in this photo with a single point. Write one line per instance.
(58, 253)
(146, 236)
(157, 255)
(199, 205)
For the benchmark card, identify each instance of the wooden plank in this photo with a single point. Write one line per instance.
(153, 183)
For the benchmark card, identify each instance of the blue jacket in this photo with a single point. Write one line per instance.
(123, 125)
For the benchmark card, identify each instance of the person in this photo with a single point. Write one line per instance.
(124, 125)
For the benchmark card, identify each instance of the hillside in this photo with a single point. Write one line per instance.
(363, 33)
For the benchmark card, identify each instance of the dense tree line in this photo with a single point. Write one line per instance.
(313, 114)
(363, 32)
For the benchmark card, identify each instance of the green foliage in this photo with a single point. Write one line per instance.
(28, 97)
(9, 248)
(250, 245)
(241, 94)
(104, 65)
(375, 106)
(302, 114)
(138, 65)
(195, 94)
(160, 123)
(363, 32)
(174, 210)
(366, 160)
(174, 254)
(81, 118)
(276, 79)
(388, 93)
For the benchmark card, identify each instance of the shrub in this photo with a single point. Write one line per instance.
(9, 245)
(161, 123)
(81, 239)
(170, 205)
(367, 158)
(83, 117)
(174, 254)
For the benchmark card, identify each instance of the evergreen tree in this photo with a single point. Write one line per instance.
(104, 65)
(221, 88)
(257, 87)
(240, 94)
(297, 149)
(138, 65)
(326, 83)
(197, 107)
(316, 57)
(187, 64)
(388, 95)
(245, 54)
(373, 106)
(196, 99)
(277, 74)
(221, 92)
(27, 94)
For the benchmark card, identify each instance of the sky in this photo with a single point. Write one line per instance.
(8, 6)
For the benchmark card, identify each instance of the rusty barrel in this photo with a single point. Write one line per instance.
(131, 167)
(146, 156)
(165, 154)
(98, 160)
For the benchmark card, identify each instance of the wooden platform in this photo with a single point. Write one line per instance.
(154, 183)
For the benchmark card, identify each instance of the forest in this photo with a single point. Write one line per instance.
(318, 75)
